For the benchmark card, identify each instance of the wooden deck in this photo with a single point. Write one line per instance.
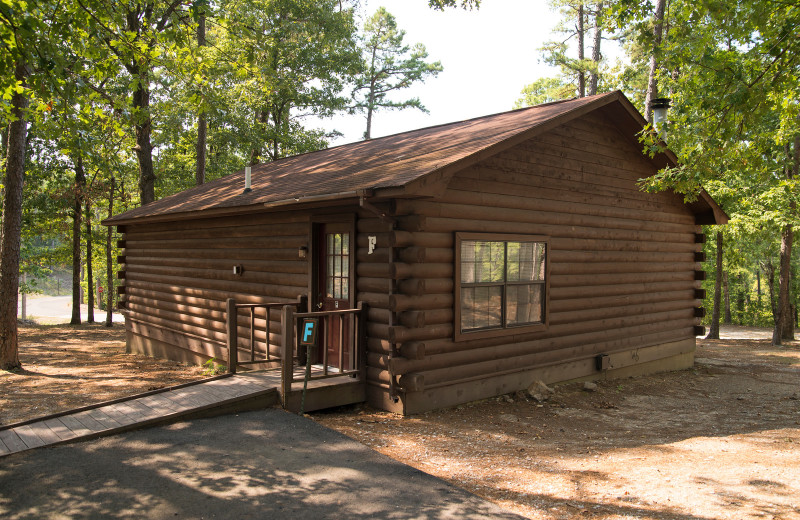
(214, 396)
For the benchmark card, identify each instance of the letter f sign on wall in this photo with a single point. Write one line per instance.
(308, 331)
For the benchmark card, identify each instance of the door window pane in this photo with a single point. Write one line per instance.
(338, 266)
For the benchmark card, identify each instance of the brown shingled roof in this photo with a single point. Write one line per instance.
(387, 162)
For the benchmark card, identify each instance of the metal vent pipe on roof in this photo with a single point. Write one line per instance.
(247, 188)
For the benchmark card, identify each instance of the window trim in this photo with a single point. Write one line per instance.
(503, 330)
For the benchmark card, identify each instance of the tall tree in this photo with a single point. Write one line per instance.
(743, 130)
(652, 79)
(12, 218)
(201, 8)
(77, 213)
(713, 332)
(137, 38)
(578, 21)
(597, 56)
(28, 69)
(389, 64)
(285, 60)
(109, 253)
(89, 261)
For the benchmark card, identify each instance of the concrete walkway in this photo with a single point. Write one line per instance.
(266, 464)
(52, 310)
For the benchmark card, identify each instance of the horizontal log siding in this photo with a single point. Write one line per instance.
(179, 275)
(622, 261)
(373, 286)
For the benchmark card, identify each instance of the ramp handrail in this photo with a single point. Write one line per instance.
(232, 326)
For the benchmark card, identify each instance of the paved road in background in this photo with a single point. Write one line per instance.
(267, 464)
(58, 309)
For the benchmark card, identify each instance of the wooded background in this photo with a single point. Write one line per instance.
(109, 105)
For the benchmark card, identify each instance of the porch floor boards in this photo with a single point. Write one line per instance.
(223, 394)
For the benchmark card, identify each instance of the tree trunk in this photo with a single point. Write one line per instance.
(788, 325)
(784, 322)
(143, 128)
(581, 53)
(771, 289)
(740, 299)
(783, 310)
(202, 125)
(255, 154)
(727, 292)
(371, 95)
(77, 210)
(713, 332)
(758, 287)
(652, 82)
(12, 226)
(596, 56)
(89, 274)
(109, 263)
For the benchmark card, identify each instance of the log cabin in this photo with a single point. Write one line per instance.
(486, 254)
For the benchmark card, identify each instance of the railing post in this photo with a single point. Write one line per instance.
(232, 326)
(287, 348)
(361, 340)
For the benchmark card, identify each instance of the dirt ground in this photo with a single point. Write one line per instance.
(719, 441)
(66, 367)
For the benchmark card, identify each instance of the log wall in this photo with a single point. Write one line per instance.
(622, 271)
(178, 275)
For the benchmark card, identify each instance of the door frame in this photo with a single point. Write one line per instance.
(315, 227)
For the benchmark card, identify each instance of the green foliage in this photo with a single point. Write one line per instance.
(280, 61)
(545, 90)
(441, 5)
(212, 367)
(731, 71)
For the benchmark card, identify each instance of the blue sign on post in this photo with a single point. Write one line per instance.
(308, 332)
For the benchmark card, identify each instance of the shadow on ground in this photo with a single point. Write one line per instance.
(266, 464)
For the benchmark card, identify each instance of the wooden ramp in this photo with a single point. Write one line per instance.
(218, 395)
(208, 397)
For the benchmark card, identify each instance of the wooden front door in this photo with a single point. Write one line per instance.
(334, 285)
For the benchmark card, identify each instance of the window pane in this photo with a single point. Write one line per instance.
(468, 261)
(346, 244)
(337, 266)
(524, 304)
(345, 287)
(526, 261)
(482, 261)
(330, 244)
(481, 307)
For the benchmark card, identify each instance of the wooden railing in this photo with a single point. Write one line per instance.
(232, 315)
(352, 352)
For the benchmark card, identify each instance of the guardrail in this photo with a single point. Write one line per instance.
(352, 351)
